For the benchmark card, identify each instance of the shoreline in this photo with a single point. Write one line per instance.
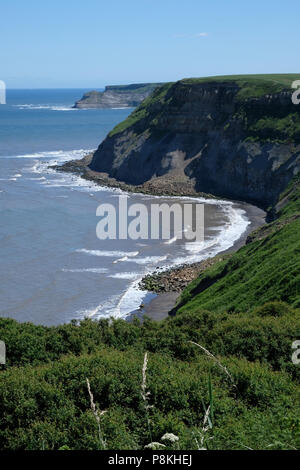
(163, 287)
(168, 284)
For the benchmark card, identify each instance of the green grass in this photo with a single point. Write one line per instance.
(252, 86)
(292, 195)
(136, 88)
(142, 112)
(267, 269)
(262, 271)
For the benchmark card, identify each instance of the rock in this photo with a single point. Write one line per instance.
(123, 96)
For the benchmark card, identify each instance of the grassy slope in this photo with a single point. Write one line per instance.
(143, 110)
(266, 269)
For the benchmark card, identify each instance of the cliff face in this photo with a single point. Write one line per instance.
(225, 138)
(126, 96)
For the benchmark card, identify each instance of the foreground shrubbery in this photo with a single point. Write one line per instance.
(45, 403)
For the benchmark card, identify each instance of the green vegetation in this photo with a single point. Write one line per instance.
(45, 403)
(144, 110)
(289, 204)
(252, 86)
(267, 269)
(136, 87)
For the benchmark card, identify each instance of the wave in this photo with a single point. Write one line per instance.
(41, 167)
(125, 258)
(86, 270)
(113, 254)
(172, 240)
(228, 234)
(45, 106)
(104, 310)
(61, 155)
(125, 275)
(150, 260)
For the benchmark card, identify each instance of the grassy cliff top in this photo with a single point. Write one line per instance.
(250, 86)
(134, 87)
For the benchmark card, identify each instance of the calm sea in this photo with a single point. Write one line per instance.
(52, 266)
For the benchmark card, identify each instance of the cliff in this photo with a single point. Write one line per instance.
(236, 137)
(123, 96)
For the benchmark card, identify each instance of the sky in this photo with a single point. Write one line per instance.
(93, 43)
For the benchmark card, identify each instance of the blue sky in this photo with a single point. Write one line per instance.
(91, 43)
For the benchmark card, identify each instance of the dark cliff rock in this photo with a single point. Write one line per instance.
(232, 138)
(123, 96)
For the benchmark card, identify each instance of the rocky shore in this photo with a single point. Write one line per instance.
(176, 278)
(167, 185)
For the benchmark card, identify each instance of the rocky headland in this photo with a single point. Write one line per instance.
(116, 96)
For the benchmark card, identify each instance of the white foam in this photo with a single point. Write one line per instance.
(130, 300)
(87, 270)
(172, 240)
(60, 155)
(125, 258)
(152, 260)
(45, 106)
(37, 179)
(125, 275)
(228, 235)
(107, 309)
(113, 254)
(62, 179)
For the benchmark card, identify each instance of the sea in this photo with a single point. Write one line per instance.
(53, 267)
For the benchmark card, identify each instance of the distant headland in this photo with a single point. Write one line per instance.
(117, 96)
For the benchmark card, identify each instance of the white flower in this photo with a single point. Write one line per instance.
(154, 446)
(170, 437)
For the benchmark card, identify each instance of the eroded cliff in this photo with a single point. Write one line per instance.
(236, 137)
